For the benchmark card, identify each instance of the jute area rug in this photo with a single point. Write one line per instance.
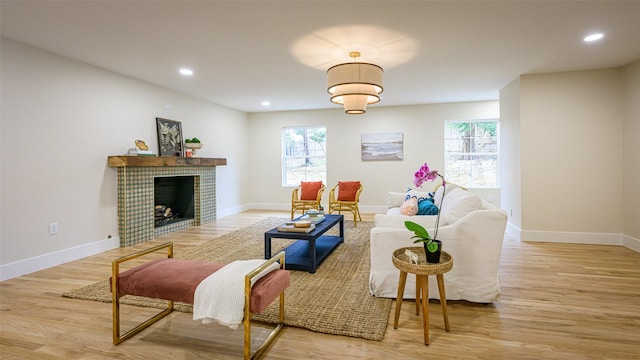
(335, 300)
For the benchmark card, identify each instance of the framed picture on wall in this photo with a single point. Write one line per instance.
(382, 146)
(169, 137)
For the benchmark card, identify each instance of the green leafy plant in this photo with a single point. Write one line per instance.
(194, 140)
(421, 235)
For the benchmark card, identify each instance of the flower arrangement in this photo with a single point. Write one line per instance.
(421, 176)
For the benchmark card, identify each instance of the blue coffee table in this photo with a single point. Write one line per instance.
(311, 248)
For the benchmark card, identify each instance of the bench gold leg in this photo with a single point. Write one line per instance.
(247, 313)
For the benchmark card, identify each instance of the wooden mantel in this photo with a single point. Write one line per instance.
(127, 161)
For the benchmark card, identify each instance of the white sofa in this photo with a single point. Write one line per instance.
(471, 230)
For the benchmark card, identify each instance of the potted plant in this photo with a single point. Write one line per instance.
(192, 145)
(432, 246)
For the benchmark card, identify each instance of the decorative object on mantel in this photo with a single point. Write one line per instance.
(432, 247)
(191, 146)
(141, 149)
(169, 137)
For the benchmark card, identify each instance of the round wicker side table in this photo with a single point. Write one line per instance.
(422, 270)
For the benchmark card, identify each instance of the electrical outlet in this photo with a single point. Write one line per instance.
(53, 228)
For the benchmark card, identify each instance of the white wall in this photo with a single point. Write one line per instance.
(631, 134)
(572, 155)
(422, 126)
(511, 191)
(60, 120)
(571, 152)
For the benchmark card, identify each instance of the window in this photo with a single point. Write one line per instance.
(304, 155)
(471, 153)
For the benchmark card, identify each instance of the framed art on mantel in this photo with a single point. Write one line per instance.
(169, 137)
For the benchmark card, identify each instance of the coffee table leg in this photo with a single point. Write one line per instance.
(401, 282)
(443, 300)
(424, 284)
(312, 256)
(267, 246)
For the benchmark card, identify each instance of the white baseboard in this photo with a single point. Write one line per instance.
(631, 243)
(572, 237)
(372, 209)
(513, 231)
(287, 207)
(37, 263)
(271, 206)
(232, 211)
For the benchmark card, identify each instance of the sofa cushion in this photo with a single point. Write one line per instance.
(347, 190)
(457, 203)
(418, 195)
(309, 189)
(409, 207)
(437, 197)
(427, 207)
(395, 199)
(394, 219)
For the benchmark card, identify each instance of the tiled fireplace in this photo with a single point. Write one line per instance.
(136, 193)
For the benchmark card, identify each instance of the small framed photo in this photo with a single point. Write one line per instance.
(169, 137)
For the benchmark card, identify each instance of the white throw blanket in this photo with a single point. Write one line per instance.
(220, 297)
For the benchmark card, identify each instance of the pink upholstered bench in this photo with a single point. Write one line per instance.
(176, 280)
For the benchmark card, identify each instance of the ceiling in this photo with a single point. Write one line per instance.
(245, 52)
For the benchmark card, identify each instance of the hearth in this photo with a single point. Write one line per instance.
(136, 197)
(173, 199)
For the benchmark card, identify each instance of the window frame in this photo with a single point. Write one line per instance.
(285, 157)
(446, 153)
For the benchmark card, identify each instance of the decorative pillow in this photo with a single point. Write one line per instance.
(437, 198)
(347, 190)
(394, 199)
(409, 207)
(458, 203)
(427, 207)
(309, 189)
(418, 195)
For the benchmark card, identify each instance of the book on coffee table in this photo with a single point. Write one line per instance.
(316, 219)
(291, 228)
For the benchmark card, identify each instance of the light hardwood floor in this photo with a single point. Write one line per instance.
(559, 301)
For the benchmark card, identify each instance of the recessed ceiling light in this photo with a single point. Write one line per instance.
(266, 103)
(593, 37)
(186, 71)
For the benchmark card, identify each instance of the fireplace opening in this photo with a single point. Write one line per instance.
(173, 199)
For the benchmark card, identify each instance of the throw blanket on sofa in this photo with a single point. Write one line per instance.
(220, 297)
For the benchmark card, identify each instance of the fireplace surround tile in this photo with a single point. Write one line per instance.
(136, 200)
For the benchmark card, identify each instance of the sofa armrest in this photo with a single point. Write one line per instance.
(397, 221)
(474, 242)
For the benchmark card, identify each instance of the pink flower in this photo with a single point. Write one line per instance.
(425, 174)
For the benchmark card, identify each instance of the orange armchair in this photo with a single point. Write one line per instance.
(307, 196)
(347, 198)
